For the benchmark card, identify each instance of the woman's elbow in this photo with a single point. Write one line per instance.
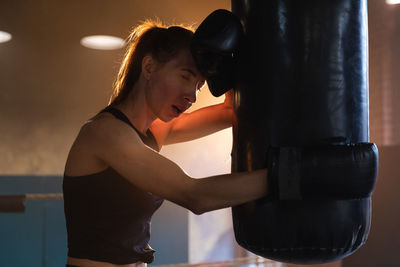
(191, 198)
(198, 210)
(193, 204)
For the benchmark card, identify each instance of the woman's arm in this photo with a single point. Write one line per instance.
(196, 124)
(118, 146)
(229, 190)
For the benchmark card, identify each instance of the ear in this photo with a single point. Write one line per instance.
(148, 66)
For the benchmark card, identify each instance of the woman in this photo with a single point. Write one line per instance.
(115, 179)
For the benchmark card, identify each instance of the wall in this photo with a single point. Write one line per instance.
(382, 247)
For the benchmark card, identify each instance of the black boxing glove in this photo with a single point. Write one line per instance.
(323, 172)
(214, 46)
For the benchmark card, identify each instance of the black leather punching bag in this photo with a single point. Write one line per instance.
(304, 83)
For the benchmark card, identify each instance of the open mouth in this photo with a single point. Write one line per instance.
(178, 111)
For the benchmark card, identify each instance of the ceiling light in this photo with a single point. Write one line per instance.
(392, 2)
(102, 42)
(5, 37)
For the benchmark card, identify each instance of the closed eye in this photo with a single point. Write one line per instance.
(186, 77)
(189, 71)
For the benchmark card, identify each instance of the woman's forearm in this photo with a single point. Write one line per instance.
(228, 190)
(200, 123)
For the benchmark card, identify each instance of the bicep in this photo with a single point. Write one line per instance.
(145, 168)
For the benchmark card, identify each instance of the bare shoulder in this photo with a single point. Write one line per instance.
(101, 134)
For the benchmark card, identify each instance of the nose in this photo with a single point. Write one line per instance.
(191, 98)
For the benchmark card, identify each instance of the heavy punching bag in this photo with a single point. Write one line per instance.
(301, 102)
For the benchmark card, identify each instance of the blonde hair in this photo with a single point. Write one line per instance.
(150, 37)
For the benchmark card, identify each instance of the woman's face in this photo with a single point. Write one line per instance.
(173, 86)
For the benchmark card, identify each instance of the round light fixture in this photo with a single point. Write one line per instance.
(392, 2)
(5, 37)
(102, 42)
